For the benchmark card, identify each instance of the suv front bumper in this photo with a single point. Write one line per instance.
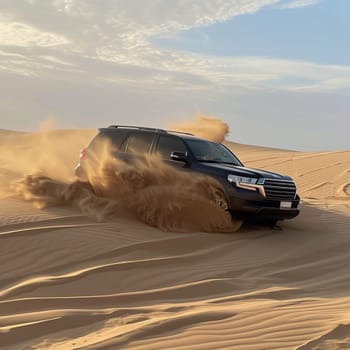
(267, 210)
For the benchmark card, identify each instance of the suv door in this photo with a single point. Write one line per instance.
(168, 144)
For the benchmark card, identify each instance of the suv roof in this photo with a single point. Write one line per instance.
(144, 128)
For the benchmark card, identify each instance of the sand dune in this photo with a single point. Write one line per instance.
(69, 282)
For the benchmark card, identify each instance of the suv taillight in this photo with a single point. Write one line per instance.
(83, 154)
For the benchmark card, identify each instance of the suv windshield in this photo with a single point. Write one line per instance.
(206, 151)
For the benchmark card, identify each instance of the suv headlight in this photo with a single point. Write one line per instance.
(241, 179)
(247, 183)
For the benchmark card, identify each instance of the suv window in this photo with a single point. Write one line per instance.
(117, 138)
(114, 138)
(139, 143)
(206, 151)
(167, 144)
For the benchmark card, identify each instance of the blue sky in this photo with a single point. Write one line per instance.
(277, 71)
(318, 33)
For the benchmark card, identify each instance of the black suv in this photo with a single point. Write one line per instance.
(250, 193)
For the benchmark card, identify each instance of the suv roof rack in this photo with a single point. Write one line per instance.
(136, 127)
(147, 129)
(180, 132)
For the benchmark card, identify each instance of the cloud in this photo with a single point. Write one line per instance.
(299, 3)
(111, 42)
(127, 23)
(113, 38)
(20, 34)
(93, 63)
(327, 85)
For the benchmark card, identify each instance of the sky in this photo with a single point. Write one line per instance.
(277, 71)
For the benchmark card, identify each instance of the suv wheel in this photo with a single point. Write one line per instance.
(220, 200)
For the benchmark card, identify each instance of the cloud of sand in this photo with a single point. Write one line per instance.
(148, 190)
(210, 128)
(51, 153)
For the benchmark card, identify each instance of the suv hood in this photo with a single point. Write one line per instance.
(243, 171)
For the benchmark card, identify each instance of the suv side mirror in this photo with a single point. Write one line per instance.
(179, 156)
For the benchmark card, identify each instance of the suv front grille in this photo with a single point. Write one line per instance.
(280, 189)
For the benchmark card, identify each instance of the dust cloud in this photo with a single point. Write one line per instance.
(210, 128)
(53, 153)
(148, 190)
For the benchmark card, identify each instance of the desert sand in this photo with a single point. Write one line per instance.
(69, 280)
